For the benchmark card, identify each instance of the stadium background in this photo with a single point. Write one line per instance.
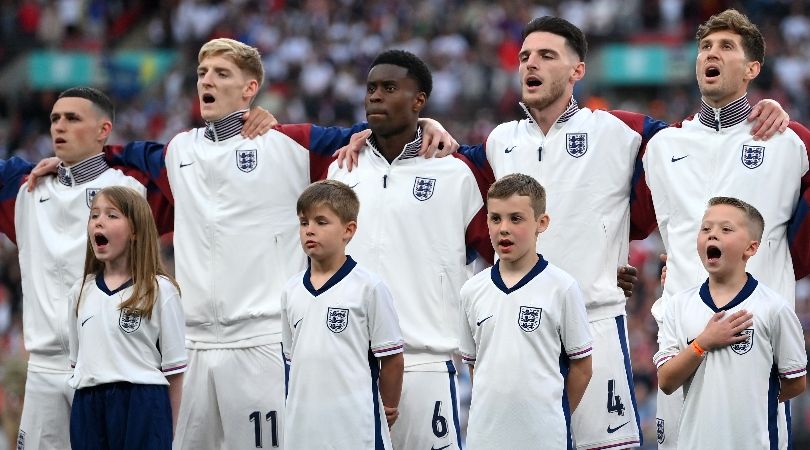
(316, 55)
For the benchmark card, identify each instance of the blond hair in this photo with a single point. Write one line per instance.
(144, 251)
(247, 58)
(520, 184)
(336, 196)
(756, 224)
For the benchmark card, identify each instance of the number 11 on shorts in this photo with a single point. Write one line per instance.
(256, 418)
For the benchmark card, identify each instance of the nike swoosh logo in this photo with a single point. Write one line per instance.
(482, 321)
(689, 341)
(85, 320)
(187, 164)
(439, 448)
(678, 159)
(43, 200)
(613, 430)
(509, 150)
(296, 323)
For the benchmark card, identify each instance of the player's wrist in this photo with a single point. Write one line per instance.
(699, 350)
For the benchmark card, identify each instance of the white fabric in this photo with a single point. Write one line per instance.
(236, 233)
(515, 340)
(232, 399)
(428, 411)
(598, 423)
(51, 226)
(727, 400)
(45, 421)
(587, 196)
(416, 245)
(108, 344)
(333, 391)
(686, 166)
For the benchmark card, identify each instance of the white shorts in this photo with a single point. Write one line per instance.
(428, 410)
(232, 399)
(607, 416)
(45, 421)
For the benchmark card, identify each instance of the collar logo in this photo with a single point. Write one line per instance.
(576, 144)
(246, 160)
(752, 156)
(423, 188)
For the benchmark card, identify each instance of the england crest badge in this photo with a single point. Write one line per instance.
(744, 347)
(129, 320)
(576, 144)
(529, 318)
(659, 426)
(423, 188)
(90, 194)
(337, 319)
(246, 160)
(752, 156)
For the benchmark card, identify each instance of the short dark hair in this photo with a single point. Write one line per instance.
(520, 184)
(98, 98)
(337, 196)
(756, 224)
(574, 37)
(417, 69)
(738, 23)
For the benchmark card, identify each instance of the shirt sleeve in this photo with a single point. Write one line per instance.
(575, 332)
(172, 330)
(383, 324)
(788, 344)
(322, 143)
(13, 173)
(669, 344)
(466, 339)
(642, 213)
(798, 230)
(286, 328)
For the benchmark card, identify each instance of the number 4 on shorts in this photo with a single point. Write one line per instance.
(614, 402)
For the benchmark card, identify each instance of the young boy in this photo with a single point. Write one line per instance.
(340, 334)
(524, 329)
(750, 354)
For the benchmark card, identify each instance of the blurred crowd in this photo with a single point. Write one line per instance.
(316, 55)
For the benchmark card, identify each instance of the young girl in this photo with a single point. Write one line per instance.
(126, 332)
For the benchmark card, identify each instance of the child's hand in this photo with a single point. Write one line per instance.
(721, 332)
(391, 415)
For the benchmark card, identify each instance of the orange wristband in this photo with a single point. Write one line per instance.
(696, 347)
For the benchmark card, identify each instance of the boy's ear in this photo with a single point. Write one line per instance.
(543, 222)
(753, 246)
(351, 228)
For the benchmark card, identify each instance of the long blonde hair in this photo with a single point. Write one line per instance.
(144, 252)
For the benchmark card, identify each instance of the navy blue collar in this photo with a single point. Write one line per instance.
(411, 149)
(496, 275)
(728, 116)
(82, 172)
(333, 280)
(103, 286)
(744, 293)
(225, 128)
